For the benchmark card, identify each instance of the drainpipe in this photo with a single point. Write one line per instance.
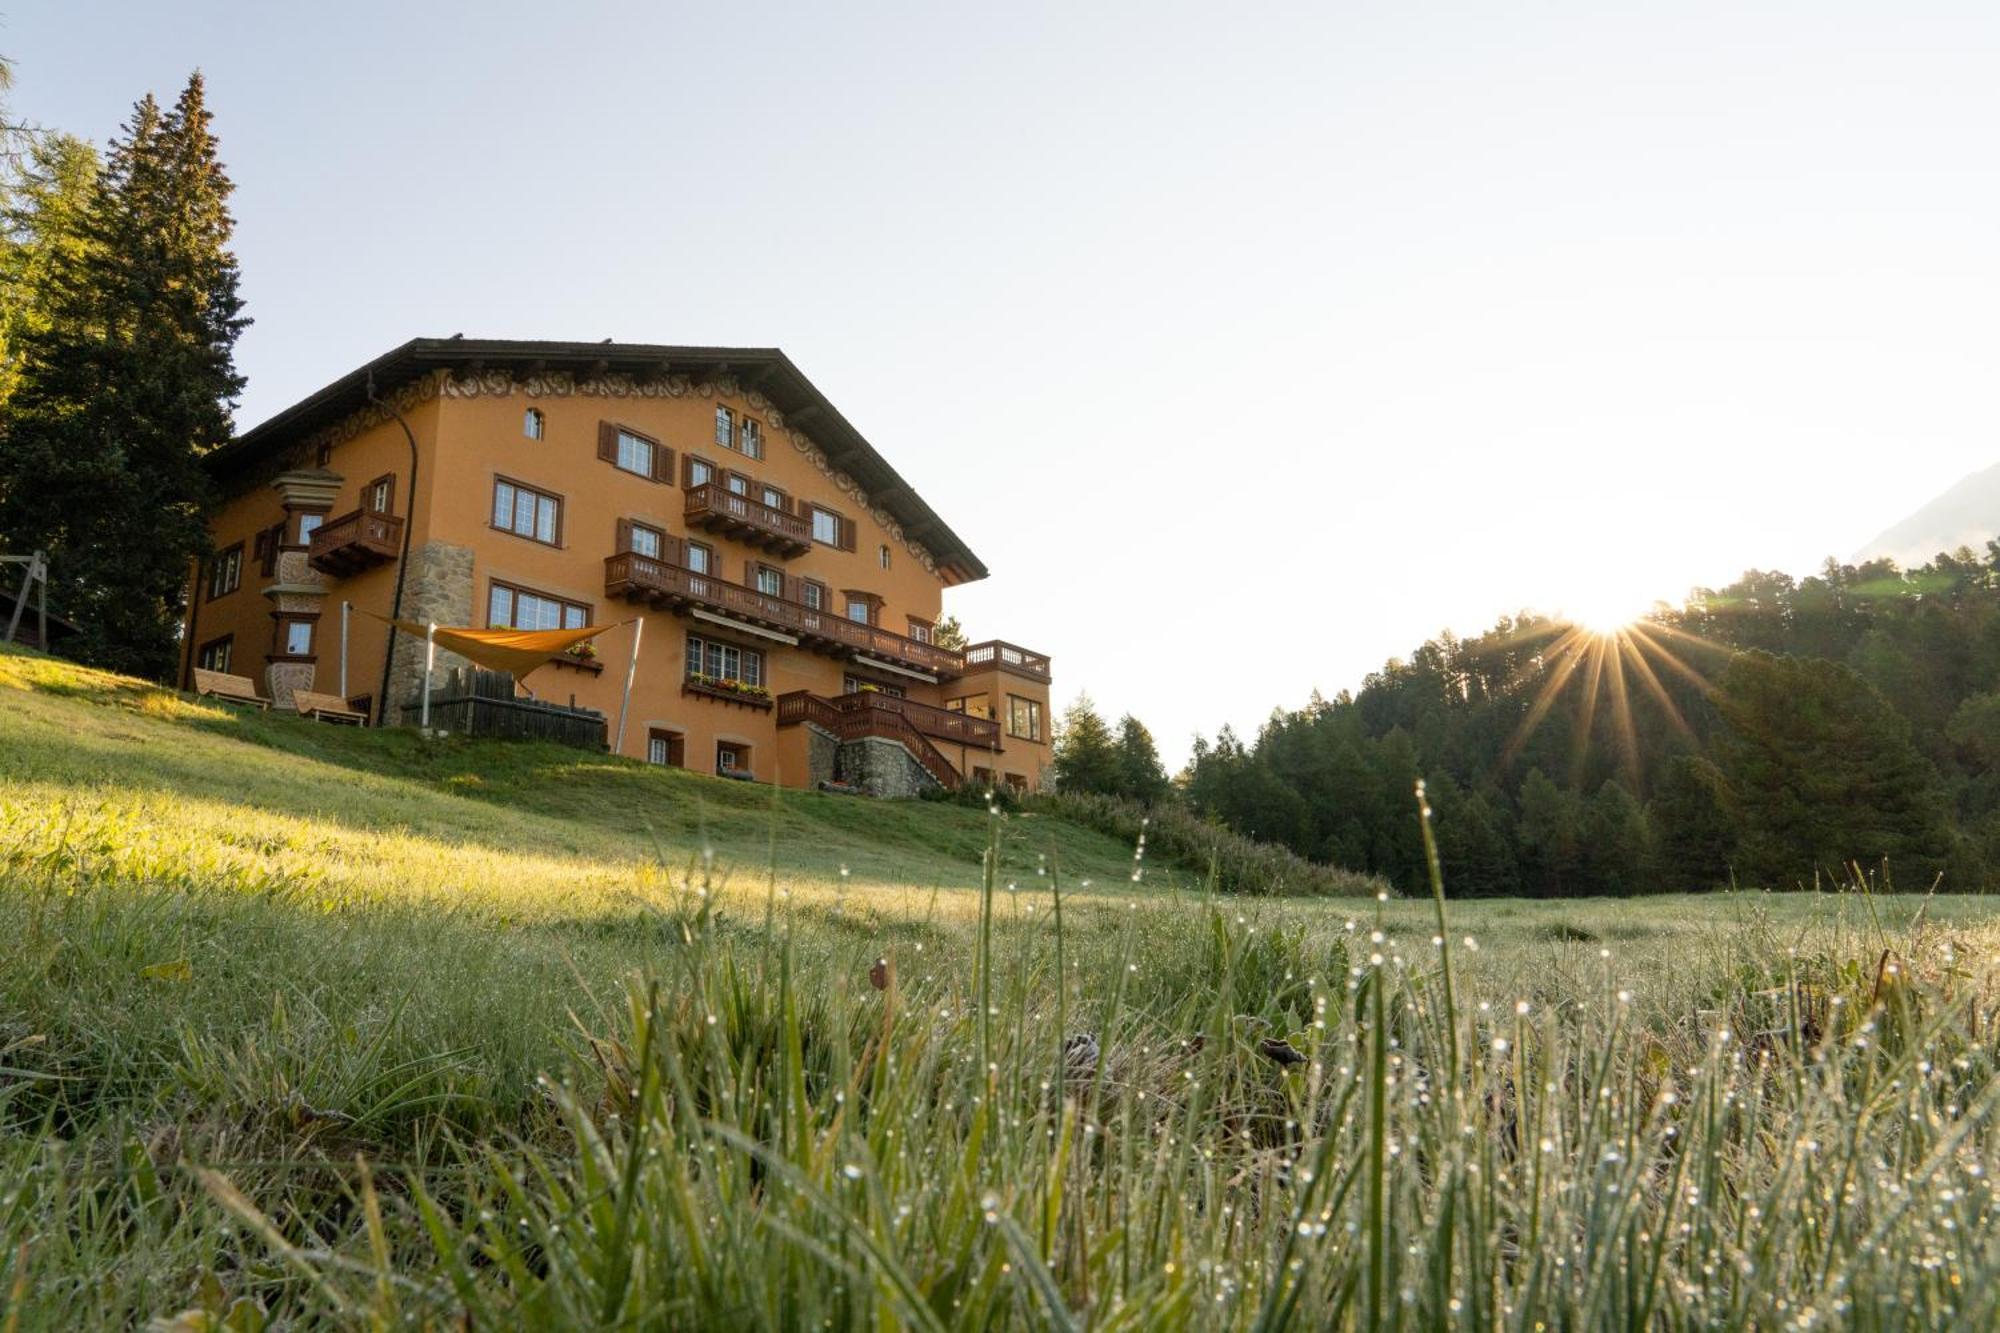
(402, 565)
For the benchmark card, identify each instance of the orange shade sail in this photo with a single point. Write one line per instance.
(515, 651)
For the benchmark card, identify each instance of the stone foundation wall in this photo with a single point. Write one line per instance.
(881, 767)
(822, 756)
(437, 587)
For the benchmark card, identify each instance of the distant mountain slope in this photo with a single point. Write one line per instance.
(1966, 515)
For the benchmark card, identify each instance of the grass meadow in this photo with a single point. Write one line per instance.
(306, 1027)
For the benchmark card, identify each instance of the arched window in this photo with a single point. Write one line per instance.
(531, 423)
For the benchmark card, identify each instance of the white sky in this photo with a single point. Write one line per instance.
(1249, 346)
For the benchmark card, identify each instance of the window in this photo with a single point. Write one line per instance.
(635, 453)
(813, 594)
(826, 526)
(225, 575)
(882, 554)
(215, 654)
(750, 438)
(532, 424)
(308, 525)
(860, 610)
(266, 549)
(700, 472)
(647, 541)
(517, 608)
(738, 484)
(323, 455)
(700, 558)
(725, 428)
(629, 451)
(724, 661)
(1024, 718)
(920, 630)
(972, 705)
(1017, 782)
(730, 757)
(526, 513)
(856, 684)
(298, 640)
(379, 496)
(770, 582)
(666, 747)
(773, 497)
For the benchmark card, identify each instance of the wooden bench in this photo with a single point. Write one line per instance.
(220, 685)
(327, 708)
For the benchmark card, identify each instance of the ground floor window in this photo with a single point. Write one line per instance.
(1017, 782)
(297, 638)
(1024, 717)
(724, 661)
(666, 747)
(732, 757)
(215, 654)
(982, 777)
(855, 685)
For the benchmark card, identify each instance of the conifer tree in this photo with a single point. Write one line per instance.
(1823, 775)
(1141, 775)
(128, 385)
(1085, 760)
(44, 211)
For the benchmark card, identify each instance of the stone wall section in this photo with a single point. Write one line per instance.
(882, 767)
(437, 588)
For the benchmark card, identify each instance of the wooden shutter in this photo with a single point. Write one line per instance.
(673, 550)
(607, 441)
(750, 573)
(687, 471)
(663, 463)
(623, 542)
(847, 533)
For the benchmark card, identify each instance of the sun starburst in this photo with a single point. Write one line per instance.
(1610, 654)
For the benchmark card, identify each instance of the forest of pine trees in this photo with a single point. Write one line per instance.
(1800, 729)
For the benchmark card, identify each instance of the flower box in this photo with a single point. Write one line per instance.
(729, 691)
(575, 663)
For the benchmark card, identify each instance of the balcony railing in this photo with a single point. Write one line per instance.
(641, 578)
(942, 723)
(354, 542)
(719, 509)
(851, 720)
(1006, 657)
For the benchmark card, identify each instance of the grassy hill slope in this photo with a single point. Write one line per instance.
(612, 1027)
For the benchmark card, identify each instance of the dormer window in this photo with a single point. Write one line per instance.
(532, 423)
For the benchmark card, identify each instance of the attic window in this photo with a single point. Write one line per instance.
(532, 423)
(882, 553)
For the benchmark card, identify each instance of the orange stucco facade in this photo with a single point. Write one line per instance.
(739, 525)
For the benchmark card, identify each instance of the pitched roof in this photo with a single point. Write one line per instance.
(766, 369)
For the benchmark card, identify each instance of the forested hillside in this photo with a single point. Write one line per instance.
(1770, 732)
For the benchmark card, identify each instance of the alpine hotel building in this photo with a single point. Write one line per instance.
(790, 581)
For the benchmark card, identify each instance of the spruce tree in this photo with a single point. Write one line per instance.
(1085, 758)
(1141, 775)
(44, 212)
(1823, 776)
(127, 387)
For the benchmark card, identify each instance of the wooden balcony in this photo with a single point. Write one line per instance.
(354, 542)
(638, 578)
(939, 723)
(857, 717)
(716, 508)
(996, 655)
